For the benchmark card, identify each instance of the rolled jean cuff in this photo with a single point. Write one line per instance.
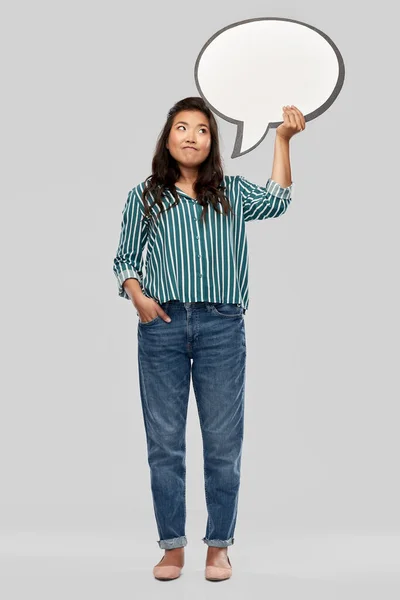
(177, 542)
(219, 543)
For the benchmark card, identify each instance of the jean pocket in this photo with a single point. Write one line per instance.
(149, 322)
(223, 309)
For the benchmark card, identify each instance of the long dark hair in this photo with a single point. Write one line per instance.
(209, 186)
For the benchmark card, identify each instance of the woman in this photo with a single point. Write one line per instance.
(191, 306)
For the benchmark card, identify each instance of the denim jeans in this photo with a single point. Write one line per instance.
(207, 340)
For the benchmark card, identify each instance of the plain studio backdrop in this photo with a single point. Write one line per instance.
(85, 91)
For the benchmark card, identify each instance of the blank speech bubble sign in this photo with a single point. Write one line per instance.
(247, 71)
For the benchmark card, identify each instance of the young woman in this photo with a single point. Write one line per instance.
(191, 306)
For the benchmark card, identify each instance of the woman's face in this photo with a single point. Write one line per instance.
(190, 128)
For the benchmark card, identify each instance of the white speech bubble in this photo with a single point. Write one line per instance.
(247, 71)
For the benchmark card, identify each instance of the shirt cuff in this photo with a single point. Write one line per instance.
(122, 276)
(277, 190)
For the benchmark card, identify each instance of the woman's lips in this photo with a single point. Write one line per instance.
(189, 148)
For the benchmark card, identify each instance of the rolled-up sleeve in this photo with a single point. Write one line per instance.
(128, 261)
(263, 202)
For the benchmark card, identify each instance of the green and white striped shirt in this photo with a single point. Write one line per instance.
(190, 261)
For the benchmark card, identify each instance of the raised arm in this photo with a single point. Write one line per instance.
(293, 123)
(272, 200)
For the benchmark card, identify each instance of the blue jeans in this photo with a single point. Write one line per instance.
(208, 340)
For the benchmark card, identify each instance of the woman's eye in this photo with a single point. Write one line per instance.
(202, 129)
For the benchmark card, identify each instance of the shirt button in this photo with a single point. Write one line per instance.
(195, 218)
(199, 255)
(200, 275)
(197, 237)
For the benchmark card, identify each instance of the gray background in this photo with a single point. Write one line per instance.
(85, 91)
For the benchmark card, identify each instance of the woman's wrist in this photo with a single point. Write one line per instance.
(133, 288)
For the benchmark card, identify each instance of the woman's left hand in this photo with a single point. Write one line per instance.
(293, 123)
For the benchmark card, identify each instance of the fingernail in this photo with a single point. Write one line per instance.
(169, 320)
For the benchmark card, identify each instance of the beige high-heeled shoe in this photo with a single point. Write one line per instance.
(213, 573)
(166, 572)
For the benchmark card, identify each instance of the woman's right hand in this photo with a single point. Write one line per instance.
(147, 309)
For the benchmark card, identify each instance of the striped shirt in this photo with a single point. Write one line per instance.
(187, 259)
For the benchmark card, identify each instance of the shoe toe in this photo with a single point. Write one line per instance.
(166, 572)
(218, 573)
